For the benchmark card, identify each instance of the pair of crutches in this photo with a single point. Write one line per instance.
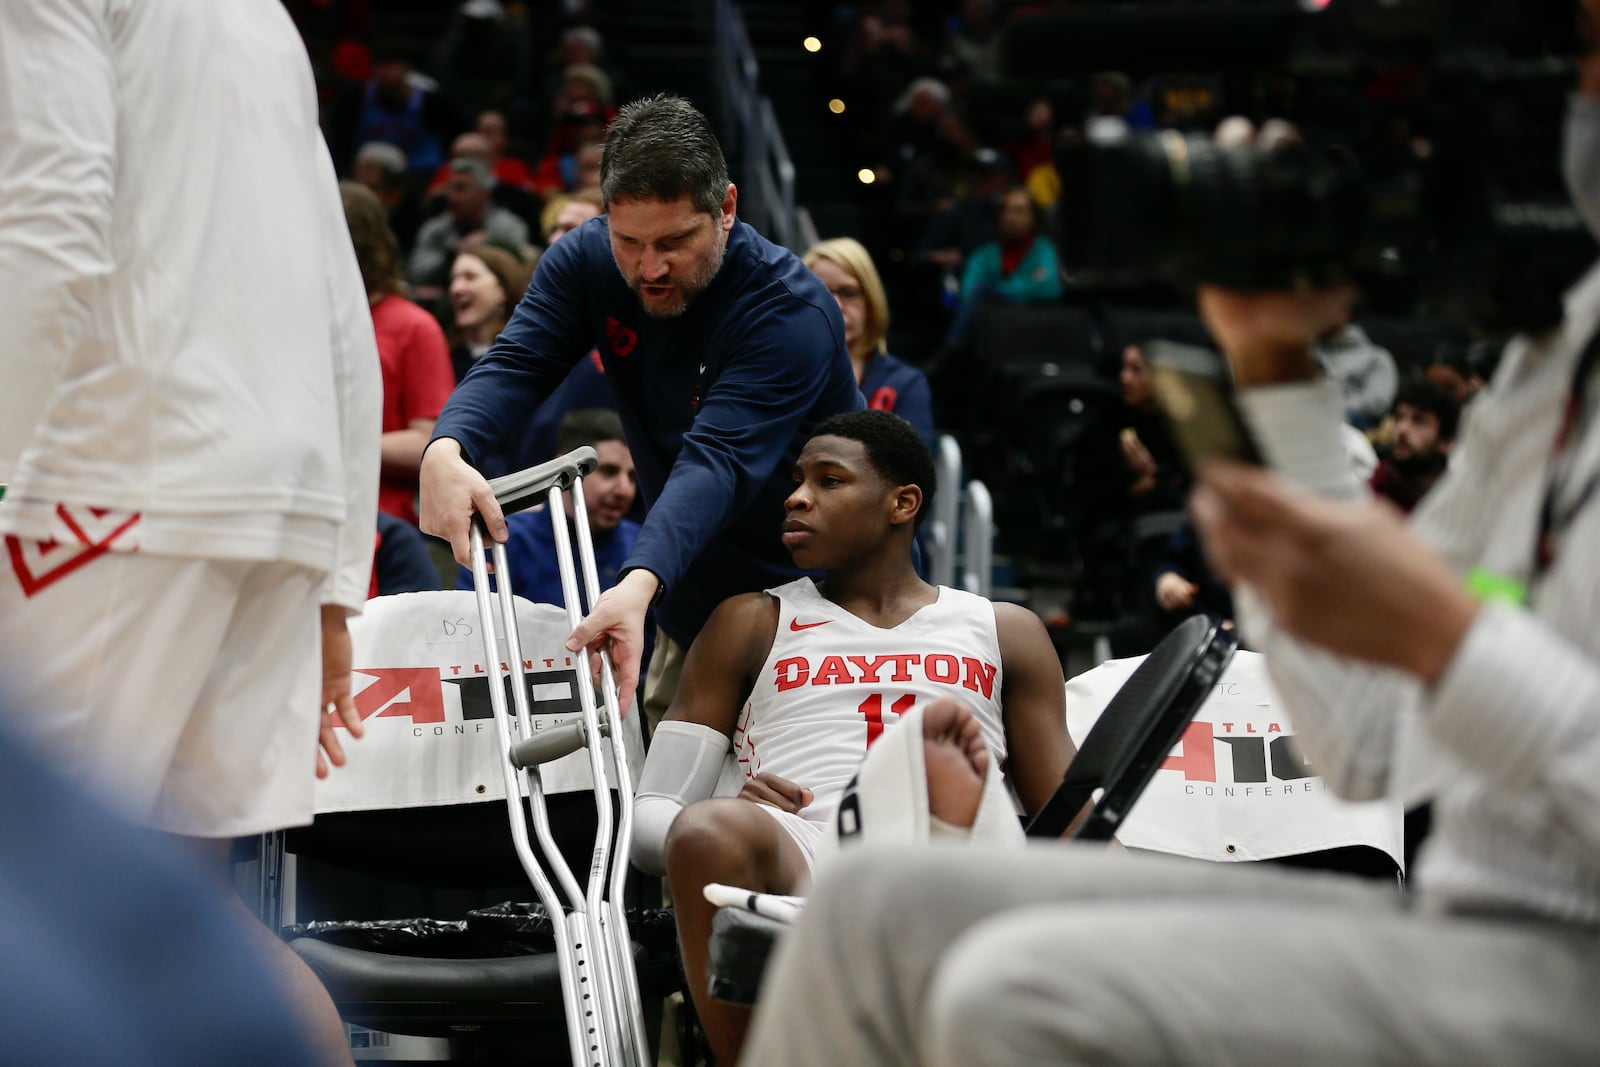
(599, 981)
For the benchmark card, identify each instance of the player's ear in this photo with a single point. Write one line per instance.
(906, 503)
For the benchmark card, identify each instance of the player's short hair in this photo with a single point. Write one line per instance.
(662, 148)
(588, 426)
(895, 449)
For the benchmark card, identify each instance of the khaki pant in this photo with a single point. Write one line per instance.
(1069, 953)
(661, 679)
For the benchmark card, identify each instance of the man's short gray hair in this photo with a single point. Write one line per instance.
(388, 158)
(474, 168)
(587, 36)
(938, 89)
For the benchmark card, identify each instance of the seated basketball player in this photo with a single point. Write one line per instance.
(801, 679)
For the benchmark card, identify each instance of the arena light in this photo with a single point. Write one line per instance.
(812, 44)
(836, 106)
(866, 176)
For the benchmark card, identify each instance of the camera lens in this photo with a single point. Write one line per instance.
(1113, 217)
(1136, 203)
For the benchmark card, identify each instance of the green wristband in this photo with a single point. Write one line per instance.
(1487, 585)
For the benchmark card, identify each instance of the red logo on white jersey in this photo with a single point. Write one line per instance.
(941, 668)
(40, 564)
(796, 625)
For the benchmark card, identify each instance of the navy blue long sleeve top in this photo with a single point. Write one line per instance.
(891, 384)
(716, 403)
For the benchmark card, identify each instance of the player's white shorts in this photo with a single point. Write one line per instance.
(185, 691)
(805, 832)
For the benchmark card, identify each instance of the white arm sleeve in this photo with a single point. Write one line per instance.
(683, 765)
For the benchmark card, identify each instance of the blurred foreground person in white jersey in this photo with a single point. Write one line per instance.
(801, 679)
(189, 420)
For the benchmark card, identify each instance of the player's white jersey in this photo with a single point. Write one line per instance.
(834, 682)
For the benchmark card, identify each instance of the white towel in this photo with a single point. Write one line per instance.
(887, 801)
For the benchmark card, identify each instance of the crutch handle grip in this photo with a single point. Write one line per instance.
(549, 745)
(525, 488)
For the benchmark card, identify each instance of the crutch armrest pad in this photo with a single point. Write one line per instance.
(525, 488)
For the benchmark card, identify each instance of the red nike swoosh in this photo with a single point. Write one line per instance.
(796, 625)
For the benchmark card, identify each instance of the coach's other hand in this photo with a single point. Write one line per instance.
(616, 625)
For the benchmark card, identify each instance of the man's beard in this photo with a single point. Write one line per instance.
(1419, 464)
(687, 291)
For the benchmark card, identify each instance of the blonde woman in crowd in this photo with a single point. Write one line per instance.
(889, 384)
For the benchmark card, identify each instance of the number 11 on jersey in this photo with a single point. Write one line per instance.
(872, 708)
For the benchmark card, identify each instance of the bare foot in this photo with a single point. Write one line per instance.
(956, 759)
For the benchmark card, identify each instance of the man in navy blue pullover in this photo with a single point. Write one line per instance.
(723, 351)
